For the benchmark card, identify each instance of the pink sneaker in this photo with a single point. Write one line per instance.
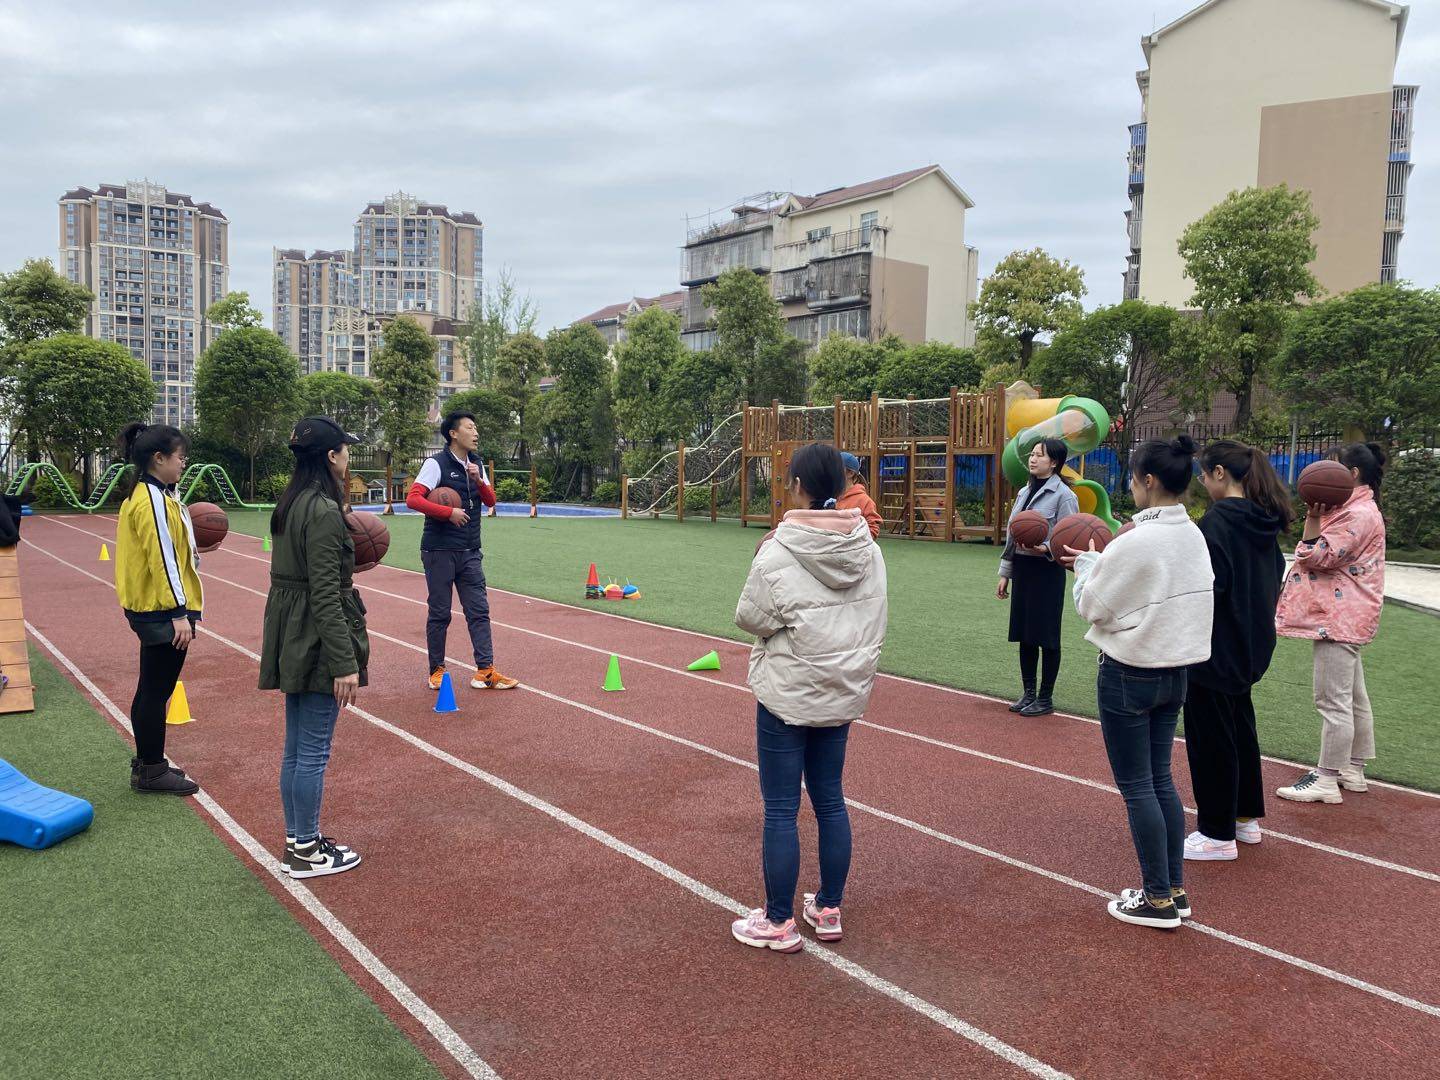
(758, 931)
(826, 921)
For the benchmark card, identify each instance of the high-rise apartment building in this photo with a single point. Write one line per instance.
(408, 257)
(310, 292)
(887, 256)
(155, 260)
(1240, 93)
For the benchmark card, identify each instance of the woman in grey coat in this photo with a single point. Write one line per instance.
(1038, 581)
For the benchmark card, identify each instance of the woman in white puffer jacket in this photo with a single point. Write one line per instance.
(816, 602)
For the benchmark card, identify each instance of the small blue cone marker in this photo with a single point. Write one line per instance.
(445, 700)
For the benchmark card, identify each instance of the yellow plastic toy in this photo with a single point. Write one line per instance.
(1080, 423)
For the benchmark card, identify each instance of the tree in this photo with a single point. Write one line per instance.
(233, 312)
(1368, 357)
(700, 391)
(844, 367)
(579, 411)
(519, 365)
(1126, 356)
(643, 415)
(1249, 259)
(750, 338)
(347, 399)
(496, 316)
(247, 391)
(35, 303)
(494, 417)
(928, 370)
(406, 380)
(1028, 294)
(77, 393)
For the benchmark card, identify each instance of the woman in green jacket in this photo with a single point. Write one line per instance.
(315, 647)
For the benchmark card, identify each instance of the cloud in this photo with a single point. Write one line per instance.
(582, 134)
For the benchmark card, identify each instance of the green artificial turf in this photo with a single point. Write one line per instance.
(144, 948)
(946, 625)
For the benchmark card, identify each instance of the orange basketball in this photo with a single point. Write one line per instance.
(446, 497)
(211, 524)
(1325, 483)
(1076, 531)
(1125, 528)
(371, 538)
(1029, 528)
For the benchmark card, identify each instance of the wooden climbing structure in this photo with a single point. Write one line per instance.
(18, 694)
(913, 449)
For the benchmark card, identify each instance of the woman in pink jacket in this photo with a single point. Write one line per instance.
(1332, 596)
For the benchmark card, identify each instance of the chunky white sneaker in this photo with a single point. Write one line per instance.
(1248, 832)
(826, 921)
(1312, 787)
(1352, 778)
(759, 932)
(1200, 848)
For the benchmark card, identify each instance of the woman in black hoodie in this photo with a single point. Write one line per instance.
(1250, 510)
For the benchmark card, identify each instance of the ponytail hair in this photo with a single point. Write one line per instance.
(821, 472)
(1255, 475)
(1368, 458)
(140, 442)
(1172, 462)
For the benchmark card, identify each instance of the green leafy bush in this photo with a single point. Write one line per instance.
(1410, 498)
(607, 493)
(697, 499)
(509, 489)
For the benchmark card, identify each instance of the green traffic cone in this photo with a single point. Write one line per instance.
(709, 662)
(612, 676)
(267, 544)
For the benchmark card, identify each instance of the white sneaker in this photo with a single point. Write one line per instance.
(1312, 787)
(1248, 832)
(1200, 848)
(1352, 778)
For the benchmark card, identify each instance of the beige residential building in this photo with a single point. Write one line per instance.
(610, 320)
(1259, 92)
(409, 257)
(155, 260)
(887, 256)
(310, 292)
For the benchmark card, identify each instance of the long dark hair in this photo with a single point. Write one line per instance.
(1256, 476)
(1172, 462)
(140, 442)
(1369, 458)
(821, 472)
(1058, 453)
(312, 470)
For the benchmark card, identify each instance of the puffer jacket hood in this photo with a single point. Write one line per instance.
(832, 546)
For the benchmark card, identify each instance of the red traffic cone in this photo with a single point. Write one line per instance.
(592, 584)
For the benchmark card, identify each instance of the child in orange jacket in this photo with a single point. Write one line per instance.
(855, 496)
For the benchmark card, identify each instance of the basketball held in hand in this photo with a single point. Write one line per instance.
(1127, 527)
(1325, 483)
(446, 497)
(211, 524)
(1029, 528)
(1078, 531)
(370, 536)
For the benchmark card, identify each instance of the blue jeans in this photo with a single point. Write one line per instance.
(1139, 708)
(786, 753)
(309, 727)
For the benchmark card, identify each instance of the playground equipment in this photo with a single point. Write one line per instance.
(1080, 423)
(715, 462)
(213, 475)
(35, 816)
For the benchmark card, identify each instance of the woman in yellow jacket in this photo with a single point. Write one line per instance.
(157, 579)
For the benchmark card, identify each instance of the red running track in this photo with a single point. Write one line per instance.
(973, 899)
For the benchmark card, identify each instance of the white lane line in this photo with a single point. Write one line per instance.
(1244, 943)
(875, 982)
(443, 1033)
(1315, 845)
(954, 690)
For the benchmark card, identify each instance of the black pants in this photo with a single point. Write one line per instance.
(1030, 657)
(462, 570)
(159, 672)
(1224, 754)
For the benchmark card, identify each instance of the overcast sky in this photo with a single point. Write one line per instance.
(583, 133)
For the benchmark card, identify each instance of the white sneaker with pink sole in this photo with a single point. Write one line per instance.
(759, 932)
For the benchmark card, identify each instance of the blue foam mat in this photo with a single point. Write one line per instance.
(35, 816)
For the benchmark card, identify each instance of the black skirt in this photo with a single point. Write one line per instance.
(1037, 598)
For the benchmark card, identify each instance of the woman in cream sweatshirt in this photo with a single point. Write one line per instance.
(1149, 600)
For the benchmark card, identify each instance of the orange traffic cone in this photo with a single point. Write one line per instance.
(592, 584)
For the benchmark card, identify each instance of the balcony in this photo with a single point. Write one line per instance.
(1136, 158)
(803, 252)
(788, 285)
(838, 282)
(1402, 120)
(813, 329)
(1132, 279)
(706, 261)
(694, 315)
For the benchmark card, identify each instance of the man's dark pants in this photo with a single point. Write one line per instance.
(462, 569)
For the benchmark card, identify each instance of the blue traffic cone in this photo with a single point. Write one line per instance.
(445, 700)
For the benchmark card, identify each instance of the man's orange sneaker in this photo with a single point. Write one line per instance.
(490, 679)
(435, 677)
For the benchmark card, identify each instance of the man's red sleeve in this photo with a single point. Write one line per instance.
(417, 501)
(487, 493)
